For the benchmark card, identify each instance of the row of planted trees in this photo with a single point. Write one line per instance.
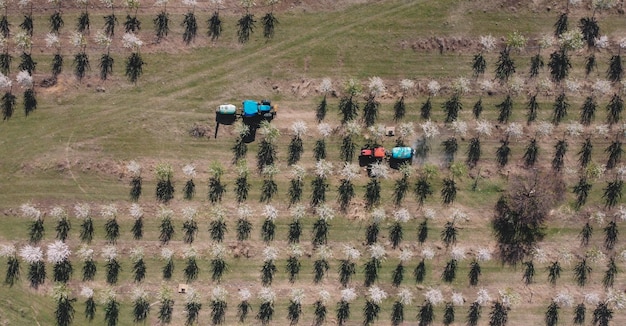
(132, 24)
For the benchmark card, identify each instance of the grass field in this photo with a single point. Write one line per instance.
(75, 148)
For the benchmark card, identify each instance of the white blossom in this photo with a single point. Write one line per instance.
(596, 256)
(190, 3)
(546, 41)
(270, 170)
(58, 213)
(377, 131)
(461, 85)
(324, 296)
(572, 40)
(575, 2)
(298, 212)
(379, 215)
(405, 296)
(545, 85)
(297, 295)
(483, 254)
(298, 172)
(379, 170)
(544, 128)
(5, 82)
(376, 86)
(325, 212)
(592, 298)
(487, 85)
(433, 87)
(457, 299)
(325, 252)
(434, 296)
(161, 2)
(484, 127)
(189, 170)
(31, 254)
(244, 212)
(564, 299)
(52, 40)
(565, 256)
(22, 40)
(323, 168)
(326, 85)
(575, 129)
(131, 41)
(78, 39)
(134, 168)
(459, 215)
(7, 251)
(602, 130)
(351, 253)
(483, 297)
(602, 42)
(108, 211)
(572, 85)
(86, 292)
(405, 255)
(190, 253)
(299, 128)
(459, 127)
(406, 85)
(166, 213)
(241, 129)
(406, 129)
(24, 79)
(167, 253)
(539, 255)
(622, 43)
(30, 211)
(82, 210)
(616, 298)
(509, 297)
(58, 252)
(107, 295)
(136, 211)
(139, 294)
(488, 42)
(102, 39)
(402, 215)
(516, 40)
(109, 253)
(107, 3)
(428, 253)
(602, 4)
(218, 294)
(621, 213)
(349, 171)
(244, 294)
(376, 294)
(296, 250)
(377, 251)
(601, 87)
(457, 253)
(514, 130)
(324, 129)
(353, 128)
(191, 296)
(429, 214)
(131, 4)
(270, 253)
(516, 84)
(621, 172)
(598, 217)
(136, 254)
(189, 213)
(267, 295)
(348, 295)
(85, 253)
(270, 212)
(430, 129)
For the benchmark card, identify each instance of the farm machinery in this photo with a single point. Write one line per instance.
(251, 113)
(371, 154)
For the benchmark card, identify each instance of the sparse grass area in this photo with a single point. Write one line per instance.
(75, 147)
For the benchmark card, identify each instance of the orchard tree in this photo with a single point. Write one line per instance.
(319, 151)
(479, 64)
(134, 63)
(240, 149)
(245, 25)
(269, 20)
(165, 186)
(219, 305)
(266, 154)
(298, 129)
(81, 59)
(370, 110)
(244, 226)
(242, 186)
(348, 104)
(162, 21)
(132, 23)
(399, 108)
(190, 23)
(216, 187)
